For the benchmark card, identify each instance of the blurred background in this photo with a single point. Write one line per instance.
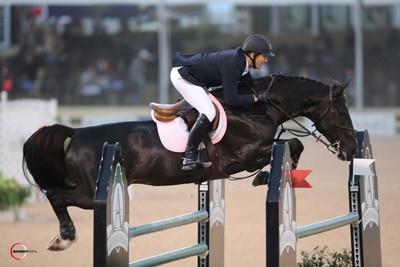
(92, 52)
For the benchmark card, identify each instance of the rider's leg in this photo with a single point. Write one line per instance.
(197, 134)
(198, 98)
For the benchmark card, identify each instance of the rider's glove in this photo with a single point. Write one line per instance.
(264, 96)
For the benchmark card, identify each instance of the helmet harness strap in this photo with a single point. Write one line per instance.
(253, 59)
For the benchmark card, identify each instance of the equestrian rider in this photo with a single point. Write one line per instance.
(192, 74)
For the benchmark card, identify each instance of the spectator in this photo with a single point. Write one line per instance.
(88, 83)
(137, 76)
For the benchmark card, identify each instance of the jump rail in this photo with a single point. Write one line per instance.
(363, 217)
(111, 215)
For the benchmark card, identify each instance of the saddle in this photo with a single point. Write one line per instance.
(169, 112)
(173, 122)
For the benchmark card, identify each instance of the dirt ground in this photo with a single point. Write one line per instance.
(244, 221)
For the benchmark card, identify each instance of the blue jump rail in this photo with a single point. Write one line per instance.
(323, 226)
(148, 228)
(172, 256)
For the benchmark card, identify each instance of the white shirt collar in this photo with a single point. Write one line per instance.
(246, 70)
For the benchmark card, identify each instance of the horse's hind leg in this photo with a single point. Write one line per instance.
(60, 199)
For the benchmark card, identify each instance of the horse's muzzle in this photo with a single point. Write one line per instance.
(343, 155)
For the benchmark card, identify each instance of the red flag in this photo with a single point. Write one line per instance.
(299, 178)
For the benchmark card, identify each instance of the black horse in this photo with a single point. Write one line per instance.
(67, 175)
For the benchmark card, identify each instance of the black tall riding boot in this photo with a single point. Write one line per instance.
(196, 136)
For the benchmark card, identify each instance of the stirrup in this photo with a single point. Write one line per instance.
(192, 164)
(196, 165)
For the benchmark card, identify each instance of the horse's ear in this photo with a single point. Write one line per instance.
(340, 88)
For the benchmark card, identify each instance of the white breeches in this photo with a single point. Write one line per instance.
(193, 94)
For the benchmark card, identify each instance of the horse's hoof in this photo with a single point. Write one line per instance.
(59, 244)
(261, 179)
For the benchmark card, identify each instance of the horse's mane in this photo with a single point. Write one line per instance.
(283, 77)
(246, 87)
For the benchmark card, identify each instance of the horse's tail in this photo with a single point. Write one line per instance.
(44, 156)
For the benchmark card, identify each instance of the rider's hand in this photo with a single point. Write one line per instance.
(264, 96)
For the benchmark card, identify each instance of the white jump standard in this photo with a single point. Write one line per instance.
(111, 215)
(363, 217)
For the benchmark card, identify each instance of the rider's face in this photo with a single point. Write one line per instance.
(261, 60)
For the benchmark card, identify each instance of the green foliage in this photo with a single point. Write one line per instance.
(323, 258)
(11, 193)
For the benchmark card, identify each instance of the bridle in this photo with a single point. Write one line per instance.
(335, 148)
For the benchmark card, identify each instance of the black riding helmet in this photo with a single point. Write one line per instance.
(258, 44)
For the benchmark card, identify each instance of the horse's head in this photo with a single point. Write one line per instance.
(324, 105)
(331, 118)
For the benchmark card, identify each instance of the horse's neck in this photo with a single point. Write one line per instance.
(291, 98)
(297, 101)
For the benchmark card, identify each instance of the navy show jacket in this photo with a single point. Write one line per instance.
(215, 69)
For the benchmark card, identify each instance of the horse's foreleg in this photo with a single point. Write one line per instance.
(60, 200)
(262, 177)
(295, 147)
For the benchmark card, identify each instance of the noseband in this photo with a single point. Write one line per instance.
(335, 148)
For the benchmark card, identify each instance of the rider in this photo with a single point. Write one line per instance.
(193, 74)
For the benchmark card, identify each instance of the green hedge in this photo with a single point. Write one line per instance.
(11, 193)
(321, 257)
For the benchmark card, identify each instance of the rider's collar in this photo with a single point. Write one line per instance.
(246, 70)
